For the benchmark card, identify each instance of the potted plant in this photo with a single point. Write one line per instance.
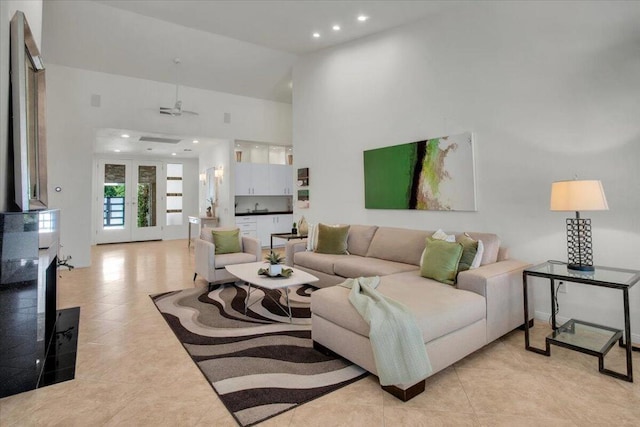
(275, 260)
(294, 230)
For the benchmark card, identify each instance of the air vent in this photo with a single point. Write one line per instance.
(158, 139)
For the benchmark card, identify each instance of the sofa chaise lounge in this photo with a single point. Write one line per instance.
(486, 302)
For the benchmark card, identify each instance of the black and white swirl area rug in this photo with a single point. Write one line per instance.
(260, 364)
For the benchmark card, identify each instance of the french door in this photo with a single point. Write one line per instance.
(130, 201)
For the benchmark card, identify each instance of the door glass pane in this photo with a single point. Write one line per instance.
(174, 194)
(174, 170)
(174, 218)
(174, 186)
(114, 193)
(147, 211)
(174, 203)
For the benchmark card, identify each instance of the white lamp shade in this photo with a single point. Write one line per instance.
(578, 196)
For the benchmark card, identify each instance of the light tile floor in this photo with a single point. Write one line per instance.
(132, 370)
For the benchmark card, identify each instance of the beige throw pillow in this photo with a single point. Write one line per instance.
(312, 237)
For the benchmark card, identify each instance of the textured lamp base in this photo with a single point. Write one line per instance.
(579, 251)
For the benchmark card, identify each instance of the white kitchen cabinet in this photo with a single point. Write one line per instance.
(252, 179)
(265, 228)
(261, 179)
(280, 180)
(283, 223)
(244, 182)
(267, 224)
(248, 226)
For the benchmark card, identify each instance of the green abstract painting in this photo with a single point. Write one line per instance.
(436, 174)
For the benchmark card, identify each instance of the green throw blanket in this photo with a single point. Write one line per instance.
(396, 339)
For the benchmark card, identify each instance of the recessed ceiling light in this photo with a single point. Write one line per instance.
(173, 154)
(124, 135)
(336, 28)
(195, 141)
(362, 18)
(117, 151)
(316, 35)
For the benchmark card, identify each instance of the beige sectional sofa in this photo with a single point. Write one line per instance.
(456, 320)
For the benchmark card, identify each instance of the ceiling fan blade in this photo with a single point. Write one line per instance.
(193, 113)
(169, 111)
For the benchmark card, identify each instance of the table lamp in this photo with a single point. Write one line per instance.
(578, 195)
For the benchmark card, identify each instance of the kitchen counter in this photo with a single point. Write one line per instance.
(264, 213)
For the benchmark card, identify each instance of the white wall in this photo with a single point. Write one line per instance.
(218, 155)
(549, 89)
(33, 12)
(129, 103)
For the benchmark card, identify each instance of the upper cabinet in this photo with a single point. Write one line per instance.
(263, 170)
(260, 179)
(244, 179)
(252, 179)
(280, 180)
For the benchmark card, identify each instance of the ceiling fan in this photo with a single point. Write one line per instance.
(176, 110)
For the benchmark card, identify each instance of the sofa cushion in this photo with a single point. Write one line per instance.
(398, 244)
(439, 309)
(440, 260)
(317, 261)
(359, 239)
(332, 239)
(356, 266)
(491, 244)
(223, 260)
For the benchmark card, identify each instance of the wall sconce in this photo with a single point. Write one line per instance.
(203, 178)
(219, 172)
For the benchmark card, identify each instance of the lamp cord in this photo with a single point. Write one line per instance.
(556, 307)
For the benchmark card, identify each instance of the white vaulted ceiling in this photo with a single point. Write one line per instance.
(241, 47)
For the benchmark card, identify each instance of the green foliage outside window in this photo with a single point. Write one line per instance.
(114, 190)
(143, 205)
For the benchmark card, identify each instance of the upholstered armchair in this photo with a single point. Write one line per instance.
(210, 266)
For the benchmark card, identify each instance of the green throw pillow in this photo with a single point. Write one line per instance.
(332, 239)
(440, 260)
(226, 241)
(469, 250)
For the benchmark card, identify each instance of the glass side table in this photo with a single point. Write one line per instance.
(286, 236)
(579, 335)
